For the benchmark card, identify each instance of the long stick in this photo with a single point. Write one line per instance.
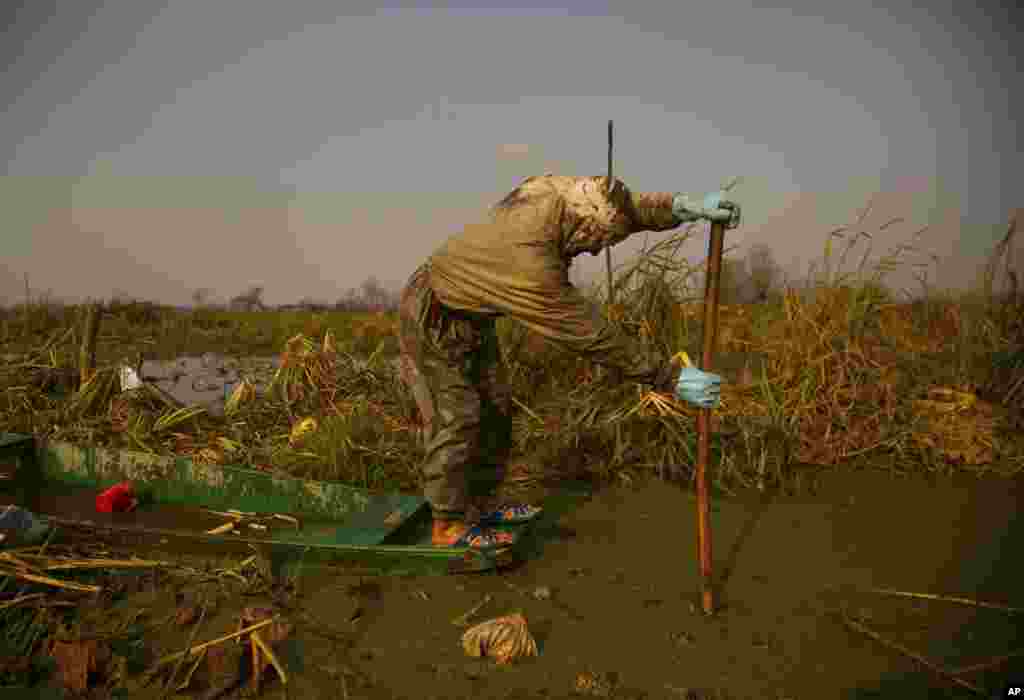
(181, 659)
(87, 353)
(48, 581)
(853, 624)
(949, 599)
(608, 250)
(711, 294)
(219, 640)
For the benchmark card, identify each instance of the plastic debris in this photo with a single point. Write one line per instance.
(129, 379)
(22, 526)
(117, 499)
(503, 639)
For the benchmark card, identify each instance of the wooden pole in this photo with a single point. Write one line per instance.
(608, 250)
(711, 295)
(87, 352)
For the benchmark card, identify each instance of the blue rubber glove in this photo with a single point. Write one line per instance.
(702, 389)
(713, 207)
(712, 200)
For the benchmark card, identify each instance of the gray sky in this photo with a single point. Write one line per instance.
(154, 148)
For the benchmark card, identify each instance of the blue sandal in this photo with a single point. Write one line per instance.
(485, 539)
(511, 515)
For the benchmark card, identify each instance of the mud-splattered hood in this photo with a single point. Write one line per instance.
(515, 262)
(590, 218)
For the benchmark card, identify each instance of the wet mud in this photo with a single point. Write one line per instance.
(611, 595)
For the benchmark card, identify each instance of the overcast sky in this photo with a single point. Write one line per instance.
(155, 148)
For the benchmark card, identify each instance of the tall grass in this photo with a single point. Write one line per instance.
(836, 371)
(162, 332)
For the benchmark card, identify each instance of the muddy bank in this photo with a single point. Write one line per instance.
(613, 593)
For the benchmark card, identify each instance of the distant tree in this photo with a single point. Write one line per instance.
(311, 304)
(250, 300)
(370, 296)
(202, 296)
(374, 294)
(349, 301)
(762, 271)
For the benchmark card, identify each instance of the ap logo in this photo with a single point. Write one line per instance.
(1015, 691)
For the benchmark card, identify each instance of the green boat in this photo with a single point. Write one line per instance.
(204, 508)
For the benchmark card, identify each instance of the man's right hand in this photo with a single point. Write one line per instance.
(713, 207)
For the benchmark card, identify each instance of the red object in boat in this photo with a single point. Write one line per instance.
(116, 499)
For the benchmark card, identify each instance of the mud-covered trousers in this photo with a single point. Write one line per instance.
(451, 363)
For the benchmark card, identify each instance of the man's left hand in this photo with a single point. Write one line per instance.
(701, 389)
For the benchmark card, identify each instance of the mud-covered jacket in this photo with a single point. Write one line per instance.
(515, 263)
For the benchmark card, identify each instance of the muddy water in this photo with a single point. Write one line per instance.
(621, 573)
(207, 380)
